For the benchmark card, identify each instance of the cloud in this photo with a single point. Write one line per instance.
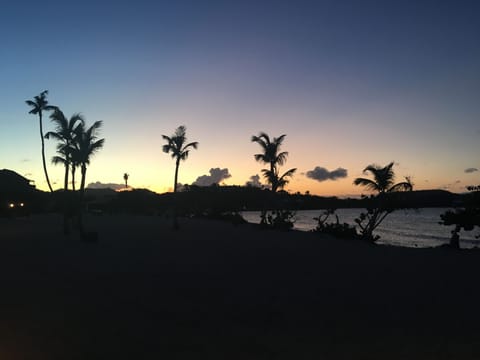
(254, 181)
(215, 177)
(322, 174)
(99, 185)
(470, 170)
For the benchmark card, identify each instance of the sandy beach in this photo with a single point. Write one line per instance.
(214, 290)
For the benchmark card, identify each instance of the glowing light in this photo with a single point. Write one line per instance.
(11, 205)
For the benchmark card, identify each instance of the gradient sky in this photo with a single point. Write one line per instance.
(350, 82)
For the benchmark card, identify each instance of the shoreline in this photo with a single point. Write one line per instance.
(399, 229)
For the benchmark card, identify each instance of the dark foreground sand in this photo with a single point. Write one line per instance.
(216, 291)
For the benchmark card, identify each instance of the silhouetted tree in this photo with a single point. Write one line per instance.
(272, 156)
(179, 148)
(383, 182)
(466, 218)
(86, 145)
(125, 178)
(40, 104)
(66, 135)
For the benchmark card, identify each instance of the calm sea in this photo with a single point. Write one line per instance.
(412, 228)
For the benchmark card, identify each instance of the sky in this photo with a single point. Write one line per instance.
(351, 83)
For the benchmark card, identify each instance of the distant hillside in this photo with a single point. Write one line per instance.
(216, 198)
(430, 198)
(13, 184)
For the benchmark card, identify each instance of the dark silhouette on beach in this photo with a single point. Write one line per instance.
(466, 217)
(383, 182)
(77, 143)
(40, 104)
(179, 148)
(272, 156)
(66, 136)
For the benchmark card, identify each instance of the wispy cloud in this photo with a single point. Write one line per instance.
(470, 170)
(216, 176)
(322, 174)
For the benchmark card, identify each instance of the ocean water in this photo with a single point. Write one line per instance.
(411, 228)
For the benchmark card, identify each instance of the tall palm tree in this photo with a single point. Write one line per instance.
(383, 182)
(65, 133)
(274, 158)
(179, 148)
(86, 145)
(125, 178)
(39, 104)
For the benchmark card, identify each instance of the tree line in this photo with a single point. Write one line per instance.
(77, 143)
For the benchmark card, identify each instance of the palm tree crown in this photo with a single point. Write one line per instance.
(38, 105)
(383, 180)
(271, 154)
(179, 148)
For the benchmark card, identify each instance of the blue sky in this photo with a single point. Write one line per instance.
(350, 82)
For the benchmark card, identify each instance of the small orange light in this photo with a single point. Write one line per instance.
(11, 205)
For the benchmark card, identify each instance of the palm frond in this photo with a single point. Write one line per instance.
(192, 144)
(54, 135)
(367, 183)
(281, 158)
(401, 186)
(279, 140)
(262, 139)
(58, 160)
(288, 173)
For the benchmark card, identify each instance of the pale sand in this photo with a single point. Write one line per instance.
(217, 291)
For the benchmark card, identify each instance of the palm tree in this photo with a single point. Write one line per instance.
(179, 148)
(383, 182)
(86, 145)
(65, 133)
(272, 156)
(125, 177)
(40, 104)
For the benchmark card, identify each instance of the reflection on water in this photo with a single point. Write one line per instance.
(412, 228)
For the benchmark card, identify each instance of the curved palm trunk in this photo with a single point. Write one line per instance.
(177, 165)
(43, 152)
(175, 219)
(83, 170)
(73, 176)
(65, 181)
(274, 182)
